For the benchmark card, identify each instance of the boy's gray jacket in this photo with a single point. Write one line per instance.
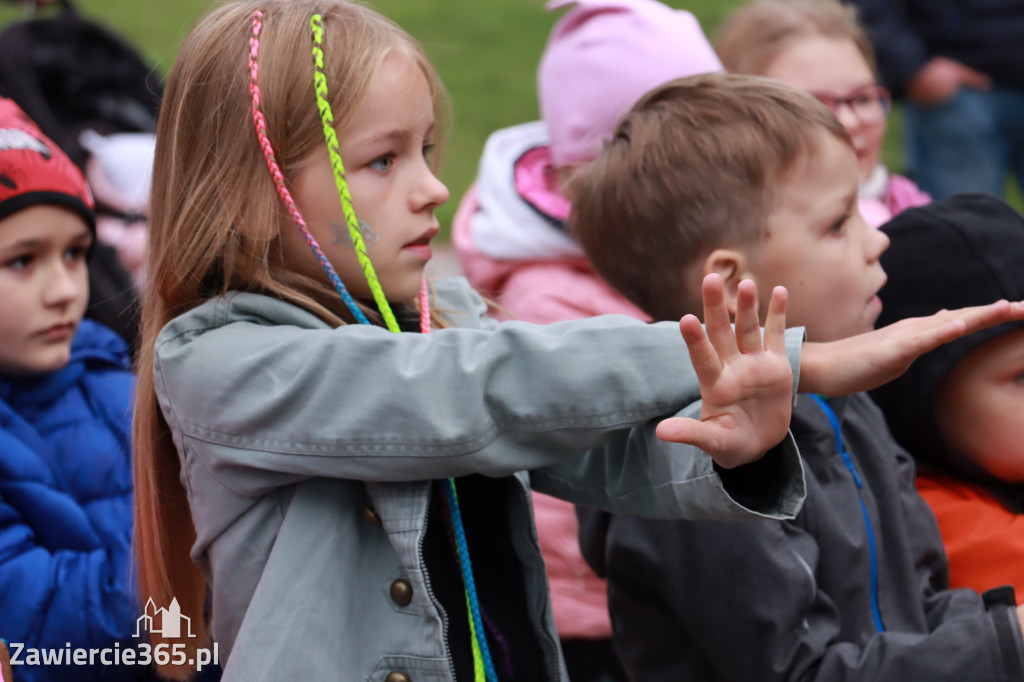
(781, 601)
(307, 454)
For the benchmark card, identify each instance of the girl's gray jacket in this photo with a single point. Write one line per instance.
(307, 454)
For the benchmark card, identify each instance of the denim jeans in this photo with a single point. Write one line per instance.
(967, 144)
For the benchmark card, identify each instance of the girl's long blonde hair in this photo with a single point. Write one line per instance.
(216, 218)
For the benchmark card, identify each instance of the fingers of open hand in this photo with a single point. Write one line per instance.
(973, 78)
(707, 437)
(775, 322)
(980, 317)
(716, 317)
(748, 324)
(901, 342)
(703, 356)
(678, 430)
(728, 446)
(947, 325)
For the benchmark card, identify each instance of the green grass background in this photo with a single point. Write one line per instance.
(485, 50)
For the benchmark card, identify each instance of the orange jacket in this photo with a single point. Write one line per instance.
(984, 540)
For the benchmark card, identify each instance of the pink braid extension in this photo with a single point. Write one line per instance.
(424, 308)
(275, 171)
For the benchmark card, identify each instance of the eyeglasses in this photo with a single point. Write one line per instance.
(870, 104)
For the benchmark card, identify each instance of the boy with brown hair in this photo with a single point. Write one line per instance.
(739, 177)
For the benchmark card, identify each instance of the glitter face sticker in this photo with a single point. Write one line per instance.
(342, 236)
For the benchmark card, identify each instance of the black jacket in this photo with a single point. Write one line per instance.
(766, 600)
(987, 35)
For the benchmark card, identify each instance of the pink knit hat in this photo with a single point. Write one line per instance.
(601, 57)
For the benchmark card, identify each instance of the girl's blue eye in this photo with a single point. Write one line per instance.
(19, 263)
(428, 149)
(382, 163)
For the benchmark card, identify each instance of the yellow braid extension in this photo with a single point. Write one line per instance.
(331, 137)
(483, 666)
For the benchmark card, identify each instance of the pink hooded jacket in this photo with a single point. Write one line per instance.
(509, 234)
(884, 195)
(538, 274)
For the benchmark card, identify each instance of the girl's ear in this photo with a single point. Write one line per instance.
(731, 266)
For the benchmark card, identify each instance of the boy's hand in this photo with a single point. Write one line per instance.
(866, 361)
(746, 384)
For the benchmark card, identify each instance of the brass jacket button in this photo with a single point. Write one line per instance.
(371, 515)
(397, 677)
(401, 593)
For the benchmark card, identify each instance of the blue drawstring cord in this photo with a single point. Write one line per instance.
(467, 575)
(848, 461)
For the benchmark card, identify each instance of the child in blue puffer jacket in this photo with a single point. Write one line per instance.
(65, 419)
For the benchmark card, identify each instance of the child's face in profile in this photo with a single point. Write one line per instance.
(834, 71)
(394, 191)
(980, 406)
(44, 287)
(818, 246)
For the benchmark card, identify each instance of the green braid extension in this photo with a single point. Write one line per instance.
(331, 137)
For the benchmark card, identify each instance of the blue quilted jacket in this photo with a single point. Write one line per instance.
(66, 508)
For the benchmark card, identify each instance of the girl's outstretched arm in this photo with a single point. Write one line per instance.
(745, 379)
(248, 381)
(866, 361)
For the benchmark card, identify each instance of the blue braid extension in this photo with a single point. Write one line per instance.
(467, 573)
(507, 669)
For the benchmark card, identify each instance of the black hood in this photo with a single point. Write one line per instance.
(965, 251)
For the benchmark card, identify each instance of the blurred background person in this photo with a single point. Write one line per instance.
(818, 46)
(958, 66)
(511, 240)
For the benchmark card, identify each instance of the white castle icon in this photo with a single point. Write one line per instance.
(169, 618)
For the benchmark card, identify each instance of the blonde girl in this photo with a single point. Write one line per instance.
(329, 492)
(819, 46)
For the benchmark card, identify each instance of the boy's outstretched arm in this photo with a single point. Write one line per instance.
(866, 361)
(746, 383)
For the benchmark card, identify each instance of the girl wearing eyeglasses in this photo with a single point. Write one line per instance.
(820, 47)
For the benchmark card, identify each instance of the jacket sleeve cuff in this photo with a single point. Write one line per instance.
(795, 337)
(773, 486)
(1001, 603)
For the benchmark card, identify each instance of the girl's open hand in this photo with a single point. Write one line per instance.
(866, 361)
(746, 383)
